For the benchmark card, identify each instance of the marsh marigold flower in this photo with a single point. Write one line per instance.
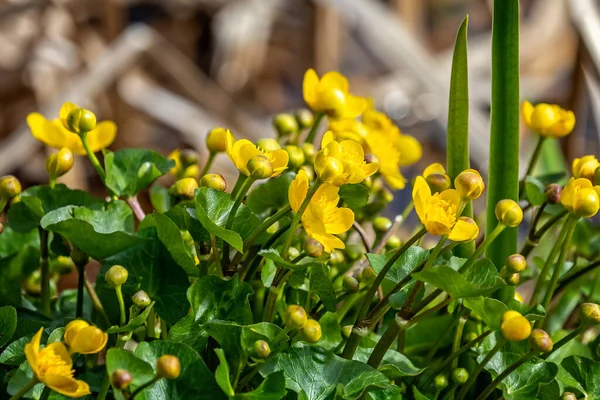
(338, 163)
(241, 151)
(581, 198)
(331, 95)
(548, 120)
(437, 213)
(53, 367)
(322, 219)
(54, 133)
(585, 167)
(84, 338)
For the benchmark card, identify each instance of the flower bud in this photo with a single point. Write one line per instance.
(590, 313)
(116, 276)
(311, 331)
(587, 203)
(513, 279)
(441, 382)
(469, 184)
(295, 317)
(216, 140)
(438, 182)
(336, 257)
(84, 338)
(515, 327)
(393, 243)
(350, 284)
(553, 192)
(509, 213)
(354, 251)
(260, 349)
(63, 265)
(81, 121)
(368, 275)
(516, 263)
(346, 331)
(295, 155)
(285, 124)
(540, 341)
(168, 367)
(382, 224)
(470, 336)
(268, 144)
(141, 299)
(58, 164)
(304, 118)
(188, 157)
(309, 171)
(185, 188)
(460, 376)
(33, 283)
(372, 159)
(293, 252)
(309, 152)
(331, 170)
(79, 257)
(333, 272)
(121, 379)
(313, 248)
(517, 296)
(569, 396)
(9, 187)
(214, 181)
(260, 167)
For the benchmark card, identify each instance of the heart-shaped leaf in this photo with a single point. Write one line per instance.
(408, 261)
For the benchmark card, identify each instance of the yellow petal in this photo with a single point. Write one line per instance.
(342, 220)
(435, 168)
(333, 80)
(410, 150)
(47, 131)
(393, 178)
(102, 136)
(60, 350)
(567, 195)
(279, 160)
(452, 196)
(328, 241)
(355, 105)
(65, 110)
(89, 340)
(436, 228)
(327, 138)
(309, 87)
(465, 230)
(67, 386)
(526, 111)
(421, 193)
(73, 328)
(298, 190)
(32, 350)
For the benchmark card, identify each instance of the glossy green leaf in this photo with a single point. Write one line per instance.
(14, 353)
(133, 323)
(354, 196)
(331, 331)
(13, 241)
(214, 298)
(184, 216)
(535, 191)
(140, 370)
(267, 273)
(13, 270)
(160, 198)
(272, 388)
(489, 310)
(273, 255)
(187, 331)
(22, 376)
(422, 336)
(586, 372)
(8, 324)
(271, 195)
(129, 171)
(408, 261)
(394, 364)
(322, 286)
(56, 335)
(222, 374)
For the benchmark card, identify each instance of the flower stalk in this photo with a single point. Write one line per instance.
(45, 271)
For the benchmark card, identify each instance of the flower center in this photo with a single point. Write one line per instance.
(50, 363)
(441, 211)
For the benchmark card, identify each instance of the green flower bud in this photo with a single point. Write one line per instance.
(58, 164)
(9, 187)
(121, 379)
(81, 121)
(309, 152)
(188, 157)
(295, 317)
(569, 396)
(296, 156)
(469, 337)
(336, 257)
(260, 349)
(441, 382)
(311, 331)
(516, 263)
(513, 279)
(540, 341)
(382, 224)
(354, 251)
(268, 144)
(305, 118)
(63, 265)
(347, 331)
(368, 275)
(168, 367)
(285, 124)
(293, 252)
(214, 181)
(141, 299)
(33, 283)
(116, 276)
(393, 243)
(460, 376)
(438, 182)
(386, 196)
(79, 257)
(350, 284)
(590, 313)
(553, 193)
(184, 188)
(313, 248)
(260, 167)
(333, 272)
(509, 213)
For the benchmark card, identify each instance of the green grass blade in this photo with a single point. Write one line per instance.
(457, 145)
(503, 177)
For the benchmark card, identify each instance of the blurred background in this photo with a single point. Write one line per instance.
(166, 71)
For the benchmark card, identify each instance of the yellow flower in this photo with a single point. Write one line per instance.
(347, 156)
(581, 198)
(349, 129)
(515, 327)
(55, 134)
(84, 338)
(438, 213)
(548, 120)
(53, 367)
(585, 167)
(179, 170)
(241, 151)
(322, 219)
(330, 95)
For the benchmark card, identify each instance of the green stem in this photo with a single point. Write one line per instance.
(123, 316)
(25, 389)
(52, 181)
(209, 162)
(151, 324)
(492, 386)
(95, 300)
(537, 152)
(215, 251)
(581, 272)
(386, 340)
(231, 217)
(274, 291)
(253, 266)
(458, 338)
(298, 217)
(478, 368)
(80, 286)
(144, 386)
(45, 271)
(103, 391)
(92, 157)
(489, 239)
(533, 240)
(238, 184)
(265, 225)
(313, 130)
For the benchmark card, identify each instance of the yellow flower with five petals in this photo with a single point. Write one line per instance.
(548, 120)
(242, 150)
(322, 219)
(331, 95)
(54, 133)
(53, 367)
(84, 338)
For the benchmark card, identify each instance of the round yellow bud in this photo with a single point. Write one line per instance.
(304, 118)
(309, 171)
(295, 317)
(585, 167)
(260, 349)
(293, 252)
(469, 184)
(116, 275)
(509, 213)
(216, 140)
(296, 156)
(336, 257)
(168, 367)
(268, 144)
(58, 164)
(590, 313)
(553, 193)
(285, 124)
(354, 251)
(141, 299)
(311, 331)
(331, 170)
(313, 248)
(393, 242)
(350, 284)
(438, 182)
(121, 379)
(586, 203)
(382, 224)
(84, 338)
(260, 167)
(9, 187)
(515, 327)
(184, 188)
(81, 121)
(516, 263)
(469, 337)
(309, 152)
(540, 341)
(513, 279)
(214, 181)
(33, 284)
(63, 265)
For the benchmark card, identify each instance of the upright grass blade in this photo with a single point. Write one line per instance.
(457, 145)
(503, 177)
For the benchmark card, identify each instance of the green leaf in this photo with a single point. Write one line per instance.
(56, 335)
(38, 201)
(272, 388)
(490, 310)
(8, 324)
(315, 373)
(214, 298)
(195, 382)
(271, 195)
(503, 174)
(22, 376)
(134, 323)
(129, 171)
(273, 255)
(322, 286)
(267, 273)
(480, 279)
(331, 331)
(427, 333)
(14, 353)
(189, 332)
(13, 270)
(222, 374)
(394, 364)
(140, 370)
(586, 372)
(418, 395)
(160, 198)
(13, 241)
(409, 260)
(354, 196)
(100, 231)
(535, 191)
(181, 215)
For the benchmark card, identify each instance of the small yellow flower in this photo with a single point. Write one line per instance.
(346, 154)
(581, 198)
(55, 134)
(509, 213)
(585, 167)
(331, 95)
(548, 120)
(322, 219)
(515, 327)
(180, 170)
(241, 151)
(53, 367)
(438, 213)
(84, 338)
